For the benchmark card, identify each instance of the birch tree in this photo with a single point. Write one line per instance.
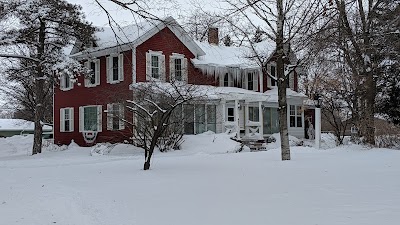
(43, 28)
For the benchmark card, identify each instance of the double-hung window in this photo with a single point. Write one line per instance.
(92, 79)
(115, 68)
(66, 82)
(115, 116)
(250, 77)
(295, 116)
(273, 74)
(66, 119)
(90, 118)
(155, 65)
(178, 67)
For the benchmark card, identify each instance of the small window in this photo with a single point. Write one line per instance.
(92, 79)
(115, 75)
(178, 69)
(250, 81)
(231, 114)
(295, 118)
(155, 67)
(67, 119)
(226, 80)
(66, 82)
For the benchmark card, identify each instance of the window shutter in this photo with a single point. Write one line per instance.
(148, 65)
(109, 117)
(71, 83)
(121, 116)
(161, 60)
(97, 72)
(255, 81)
(121, 67)
(86, 77)
(62, 81)
(108, 69)
(71, 121)
(62, 119)
(171, 68)
(81, 119)
(99, 117)
(185, 69)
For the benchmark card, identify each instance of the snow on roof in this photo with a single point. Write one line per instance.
(215, 93)
(110, 37)
(19, 125)
(222, 57)
(273, 93)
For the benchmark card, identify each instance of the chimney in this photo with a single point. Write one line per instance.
(213, 35)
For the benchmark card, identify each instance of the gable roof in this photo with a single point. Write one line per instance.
(113, 40)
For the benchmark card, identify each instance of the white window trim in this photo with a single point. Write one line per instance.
(62, 119)
(297, 113)
(62, 83)
(161, 63)
(96, 73)
(269, 77)
(109, 68)
(111, 116)
(184, 64)
(99, 118)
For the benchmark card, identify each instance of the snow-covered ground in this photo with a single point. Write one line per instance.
(204, 183)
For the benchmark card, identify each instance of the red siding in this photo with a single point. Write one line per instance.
(100, 95)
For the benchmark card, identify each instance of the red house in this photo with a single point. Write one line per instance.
(163, 51)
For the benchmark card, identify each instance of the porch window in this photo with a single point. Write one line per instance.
(253, 114)
(211, 118)
(270, 121)
(295, 116)
(231, 114)
(188, 112)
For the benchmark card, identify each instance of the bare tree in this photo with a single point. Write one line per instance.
(157, 109)
(287, 23)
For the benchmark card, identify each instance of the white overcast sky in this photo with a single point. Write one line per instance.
(161, 8)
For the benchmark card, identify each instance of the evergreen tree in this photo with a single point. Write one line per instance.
(41, 31)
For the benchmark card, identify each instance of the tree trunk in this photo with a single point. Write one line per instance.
(283, 128)
(39, 94)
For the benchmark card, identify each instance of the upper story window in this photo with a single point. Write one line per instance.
(66, 82)
(115, 68)
(93, 78)
(66, 119)
(295, 116)
(250, 81)
(226, 80)
(178, 67)
(246, 80)
(155, 65)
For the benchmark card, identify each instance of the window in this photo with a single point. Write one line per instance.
(66, 119)
(115, 69)
(250, 81)
(270, 120)
(295, 116)
(178, 67)
(115, 116)
(66, 82)
(155, 65)
(253, 114)
(273, 74)
(231, 114)
(93, 78)
(226, 80)
(90, 118)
